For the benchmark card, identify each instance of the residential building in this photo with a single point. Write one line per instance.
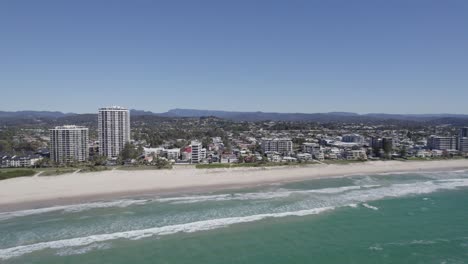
(196, 151)
(153, 151)
(229, 158)
(203, 153)
(69, 144)
(304, 156)
(19, 161)
(441, 143)
(353, 138)
(113, 130)
(463, 140)
(280, 145)
(172, 154)
(375, 143)
(319, 155)
(314, 149)
(310, 147)
(356, 155)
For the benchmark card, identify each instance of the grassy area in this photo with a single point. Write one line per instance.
(435, 158)
(141, 167)
(250, 165)
(342, 161)
(13, 173)
(56, 171)
(93, 169)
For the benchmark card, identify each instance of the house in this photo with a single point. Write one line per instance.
(356, 155)
(19, 161)
(304, 156)
(229, 158)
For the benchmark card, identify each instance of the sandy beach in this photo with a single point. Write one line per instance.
(34, 192)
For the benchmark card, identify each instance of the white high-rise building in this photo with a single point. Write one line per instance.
(113, 129)
(196, 151)
(69, 144)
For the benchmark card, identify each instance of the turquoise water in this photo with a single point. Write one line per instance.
(403, 218)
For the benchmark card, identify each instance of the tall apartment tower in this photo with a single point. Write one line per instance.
(69, 144)
(113, 129)
(196, 151)
(463, 140)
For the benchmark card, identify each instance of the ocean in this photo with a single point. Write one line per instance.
(386, 218)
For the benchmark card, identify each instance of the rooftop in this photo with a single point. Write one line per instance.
(114, 107)
(69, 127)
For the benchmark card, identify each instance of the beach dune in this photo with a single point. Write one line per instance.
(33, 192)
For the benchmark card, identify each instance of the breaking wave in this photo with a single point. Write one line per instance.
(150, 232)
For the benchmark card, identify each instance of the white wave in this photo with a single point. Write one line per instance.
(256, 196)
(371, 186)
(422, 242)
(370, 206)
(376, 248)
(72, 208)
(174, 200)
(83, 250)
(144, 233)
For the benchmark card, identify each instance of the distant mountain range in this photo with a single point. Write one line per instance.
(254, 116)
(331, 116)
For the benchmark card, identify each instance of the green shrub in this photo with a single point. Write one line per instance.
(15, 173)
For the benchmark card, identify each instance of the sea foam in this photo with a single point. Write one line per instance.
(150, 232)
(72, 208)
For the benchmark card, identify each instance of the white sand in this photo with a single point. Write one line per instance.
(117, 183)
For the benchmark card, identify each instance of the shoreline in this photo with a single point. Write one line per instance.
(38, 192)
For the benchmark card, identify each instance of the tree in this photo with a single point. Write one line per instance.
(355, 147)
(162, 164)
(99, 160)
(129, 152)
(403, 152)
(206, 141)
(387, 148)
(44, 162)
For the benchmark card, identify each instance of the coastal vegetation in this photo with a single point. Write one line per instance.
(7, 174)
(251, 165)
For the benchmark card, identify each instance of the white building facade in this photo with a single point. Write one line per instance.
(113, 130)
(280, 145)
(69, 144)
(442, 143)
(196, 151)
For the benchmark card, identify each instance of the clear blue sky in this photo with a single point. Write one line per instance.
(398, 56)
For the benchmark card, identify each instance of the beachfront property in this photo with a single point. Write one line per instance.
(196, 151)
(69, 144)
(442, 143)
(353, 138)
(356, 155)
(463, 140)
(113, 130)
(229, 158)
(281, 145)
(22, 161)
